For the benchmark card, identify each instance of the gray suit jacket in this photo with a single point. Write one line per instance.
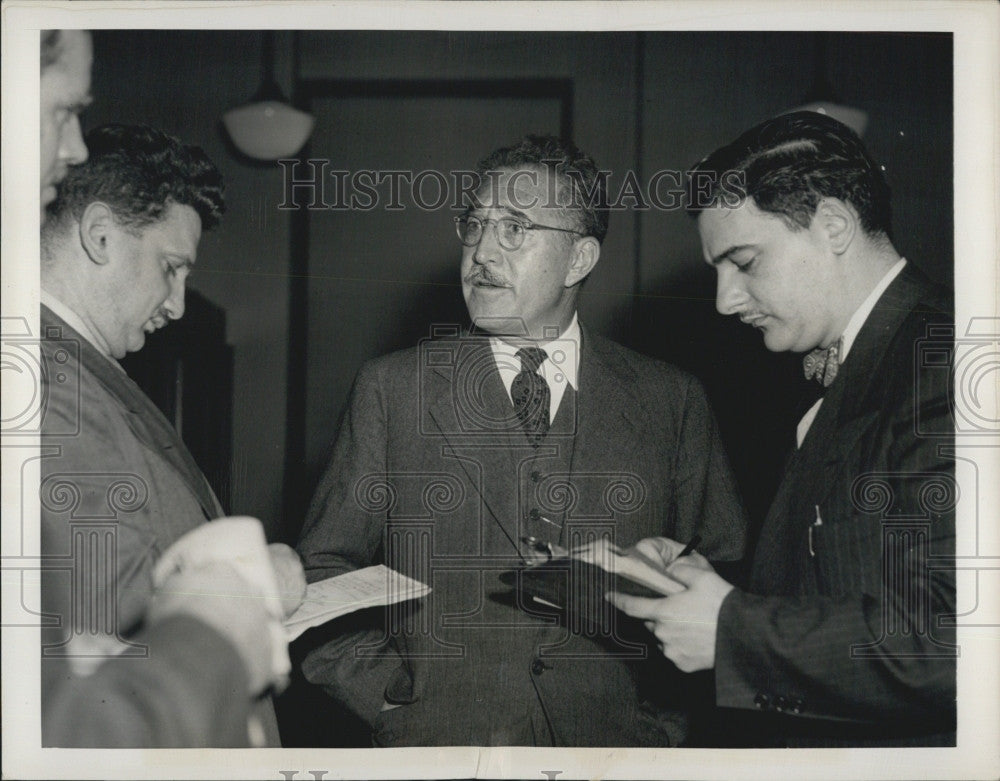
(429, 476)
(845, 628)
(118, 487)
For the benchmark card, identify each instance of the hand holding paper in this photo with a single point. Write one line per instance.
(290, 575)
(222, 574)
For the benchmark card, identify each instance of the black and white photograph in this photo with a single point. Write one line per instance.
(501, 390)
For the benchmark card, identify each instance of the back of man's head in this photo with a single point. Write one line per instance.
(581, 188)
(787, 165)
(138, 172)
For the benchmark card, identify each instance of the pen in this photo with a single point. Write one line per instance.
(689, 548)
(817, 522)
(553, 551)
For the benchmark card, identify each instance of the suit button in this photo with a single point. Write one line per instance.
(798, 705)
(538, 667)
(536, 476)
(780, 703)
(762, 701)
(534, 514)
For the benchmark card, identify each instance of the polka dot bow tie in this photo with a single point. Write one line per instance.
(822, 364)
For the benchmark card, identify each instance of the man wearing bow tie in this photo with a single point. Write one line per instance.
(529, 428)
(841, 636)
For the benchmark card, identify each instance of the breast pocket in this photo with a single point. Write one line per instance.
(849, 556)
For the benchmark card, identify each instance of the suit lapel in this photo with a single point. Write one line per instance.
(473, 412)
(845, 398)
(144, 418)
(606, 407)
(841, 419)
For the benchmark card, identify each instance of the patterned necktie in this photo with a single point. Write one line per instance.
(822, 364)
(531, 396)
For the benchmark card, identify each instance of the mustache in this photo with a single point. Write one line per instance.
(482, 275)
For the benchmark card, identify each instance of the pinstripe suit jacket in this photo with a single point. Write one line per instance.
(428, 476)
(844, 628)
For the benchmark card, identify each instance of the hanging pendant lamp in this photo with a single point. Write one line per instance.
(268, 128)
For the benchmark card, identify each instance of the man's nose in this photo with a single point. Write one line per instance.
(72, 150)
(174, 305)
(488, 248)
(730, 295)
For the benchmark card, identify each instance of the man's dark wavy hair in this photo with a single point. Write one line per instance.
(577, 174)
(139, 171)
(787, 164)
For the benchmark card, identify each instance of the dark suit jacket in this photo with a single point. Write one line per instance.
(844, 627)
(185, 695)
(118, 487)
(428, 476)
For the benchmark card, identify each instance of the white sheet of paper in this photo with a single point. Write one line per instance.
(343, 594)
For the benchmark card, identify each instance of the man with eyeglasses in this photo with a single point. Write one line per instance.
(460, 459)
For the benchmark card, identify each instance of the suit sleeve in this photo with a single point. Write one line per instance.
(706, 499)
(190, 692)
(340, 536)
(872, 645)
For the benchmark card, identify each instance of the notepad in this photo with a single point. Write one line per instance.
(343, 594)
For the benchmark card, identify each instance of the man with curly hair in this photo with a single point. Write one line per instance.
(118, 243)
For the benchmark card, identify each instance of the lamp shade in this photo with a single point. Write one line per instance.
(268, 129)
(855, 118)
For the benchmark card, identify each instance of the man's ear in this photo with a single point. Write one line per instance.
(96, 226)
(839, 222)
(586, 252)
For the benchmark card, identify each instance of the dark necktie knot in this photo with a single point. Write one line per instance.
(531, 358)
(531, 396)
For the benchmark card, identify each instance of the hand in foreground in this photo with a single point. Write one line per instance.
(684, 623)
(217, 594)
(290, 576)
(224, 574)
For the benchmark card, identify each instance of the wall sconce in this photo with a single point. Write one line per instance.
(822, 98)
(268, 128)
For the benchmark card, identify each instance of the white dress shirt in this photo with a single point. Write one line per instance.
(847, 339)
(559, 368)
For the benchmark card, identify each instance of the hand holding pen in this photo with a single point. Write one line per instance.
(663, 552)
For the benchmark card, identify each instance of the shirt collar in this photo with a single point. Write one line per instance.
(862, 312)
(560, 367)
(562, 362)
(75, 322)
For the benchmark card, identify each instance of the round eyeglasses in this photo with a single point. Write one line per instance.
(510, 231)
